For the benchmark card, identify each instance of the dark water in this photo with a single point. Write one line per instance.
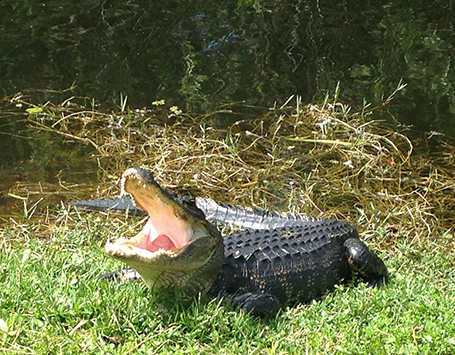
(198, 54)
(201, 54)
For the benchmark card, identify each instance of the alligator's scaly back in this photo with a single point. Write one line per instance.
(266, 269)
(290, 264)
(250, 218)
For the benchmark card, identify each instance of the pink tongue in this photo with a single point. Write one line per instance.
(162, 242)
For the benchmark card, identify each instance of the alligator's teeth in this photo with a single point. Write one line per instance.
(119, 241)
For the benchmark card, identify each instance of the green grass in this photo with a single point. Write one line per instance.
(52, 302)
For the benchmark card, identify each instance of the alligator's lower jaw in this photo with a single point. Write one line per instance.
(124, 251)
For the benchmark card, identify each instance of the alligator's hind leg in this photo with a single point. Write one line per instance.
(367, 264)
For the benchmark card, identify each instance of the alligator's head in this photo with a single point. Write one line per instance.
(177, 248)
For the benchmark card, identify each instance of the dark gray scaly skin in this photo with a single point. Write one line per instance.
(264, 270)
(283, 260)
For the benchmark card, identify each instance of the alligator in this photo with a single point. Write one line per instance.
(273, 261)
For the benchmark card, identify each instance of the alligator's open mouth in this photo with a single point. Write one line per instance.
(168, 228)
(175, 239)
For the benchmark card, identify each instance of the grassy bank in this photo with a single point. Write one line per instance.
(318, 159)
(52, 302)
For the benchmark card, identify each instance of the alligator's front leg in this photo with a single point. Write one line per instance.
(256, 303)
(127, 273)
(366, 263)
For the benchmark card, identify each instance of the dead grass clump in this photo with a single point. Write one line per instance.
(319, 160)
